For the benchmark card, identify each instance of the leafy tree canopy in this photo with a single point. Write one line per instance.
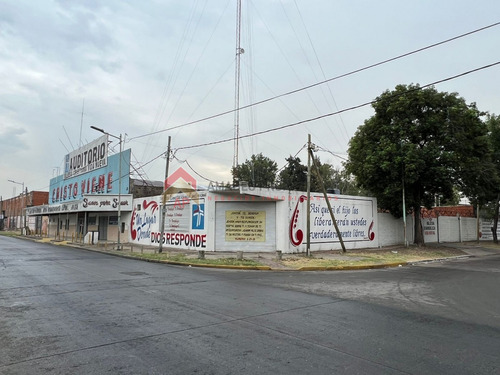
(326, 171)
(346, 183)
(293, 176)
(430, 142)
(259, 171)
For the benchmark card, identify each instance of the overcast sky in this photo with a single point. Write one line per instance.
(140, 67)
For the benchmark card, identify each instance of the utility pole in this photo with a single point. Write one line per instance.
(404, 198)
(327, 200)
(120, 194)
(404, 213)
(477, 221)
(308, 223)
(1, 213)
(24, 210)
(239, 51)
(118, 247)
(163, 199)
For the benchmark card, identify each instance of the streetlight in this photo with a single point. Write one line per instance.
(119, 180)
(24, 198)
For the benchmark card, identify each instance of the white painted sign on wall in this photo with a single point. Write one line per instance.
(355, 217)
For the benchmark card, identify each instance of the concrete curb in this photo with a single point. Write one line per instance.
(267, 268)
(247, 268)
(382, 265)
(353, 268)
(250, 268)
(44, 240)
(253, 268)
(441, 259)
(222, 266)
(175, 263)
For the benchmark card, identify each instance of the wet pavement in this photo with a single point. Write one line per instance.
(274, 260)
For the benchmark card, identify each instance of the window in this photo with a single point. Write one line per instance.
(113, 220)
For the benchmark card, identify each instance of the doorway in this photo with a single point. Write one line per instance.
(103, 228)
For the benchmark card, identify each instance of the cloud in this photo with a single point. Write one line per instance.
(11, 138)
(144, 66)
(68, 34)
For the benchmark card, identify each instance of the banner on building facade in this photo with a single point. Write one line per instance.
(89, 203)
(355, 219)
(104, 180)
(92, 156)
(184, 222)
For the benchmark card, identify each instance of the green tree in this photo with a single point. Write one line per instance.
(293, 176)
(259, 171)
(326, 171)
(346, 183)
(426, 141)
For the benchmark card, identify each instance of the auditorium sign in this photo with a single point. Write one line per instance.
(92, 156)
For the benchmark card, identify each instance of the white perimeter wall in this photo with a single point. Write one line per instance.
(285, 227)
(468, 229)
(454, 229)
(485, 230)
(391, 230)
(436, 230)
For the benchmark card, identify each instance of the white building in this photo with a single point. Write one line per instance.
(254, 219)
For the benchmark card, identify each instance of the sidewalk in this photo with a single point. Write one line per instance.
(474, 249)
(393, 256)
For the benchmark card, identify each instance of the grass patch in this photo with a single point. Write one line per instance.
(182, 258)
(373, 257)
(9, 233)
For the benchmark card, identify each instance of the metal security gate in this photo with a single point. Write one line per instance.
(103, 228)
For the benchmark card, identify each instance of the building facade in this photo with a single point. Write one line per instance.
(254, 220)
(12, 211)
(92, 199)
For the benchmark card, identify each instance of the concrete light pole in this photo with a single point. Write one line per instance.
(119, 182)
(163, 201)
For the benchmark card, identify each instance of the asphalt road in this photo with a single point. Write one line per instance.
(71, 311)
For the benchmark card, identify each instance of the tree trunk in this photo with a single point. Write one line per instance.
(419, 234)
(495, 220)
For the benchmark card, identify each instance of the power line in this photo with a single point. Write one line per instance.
(182, 52)
(189, 165)
(325, 115)
(330, 152)
(338, 112)
(298, 152)
(319, 83)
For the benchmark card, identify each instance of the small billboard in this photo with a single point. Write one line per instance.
(92, 156)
